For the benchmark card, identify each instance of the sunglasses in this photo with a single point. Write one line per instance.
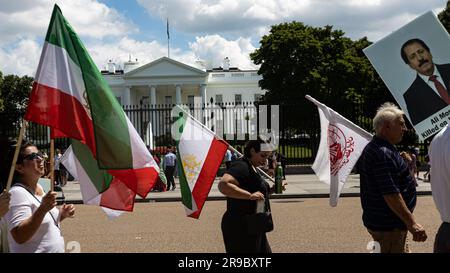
(33, 156)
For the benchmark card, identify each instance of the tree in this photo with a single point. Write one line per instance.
(444, 17)
(296, 59)
(1, 99)
(14, 93)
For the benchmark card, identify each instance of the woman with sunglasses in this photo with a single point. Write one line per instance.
(33, 218)
(245, 189)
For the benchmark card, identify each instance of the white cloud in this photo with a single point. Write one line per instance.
(214, 48)
(26, 21)
(120, 51)
(222, 28)
(22, 59)
(243, 18)
(30, 18)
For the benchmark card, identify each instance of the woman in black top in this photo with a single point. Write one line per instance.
(243, 187)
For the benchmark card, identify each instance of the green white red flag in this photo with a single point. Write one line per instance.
(199, 155)
(70, 96)
(97, 187)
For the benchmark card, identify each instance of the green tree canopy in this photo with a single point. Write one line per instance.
(14, 92)
(297, 59)
(444, 17)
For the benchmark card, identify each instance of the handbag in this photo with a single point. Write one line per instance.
(260, 222)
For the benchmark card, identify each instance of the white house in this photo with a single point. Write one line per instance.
(166, 81)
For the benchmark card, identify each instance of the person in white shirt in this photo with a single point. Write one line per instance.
(33, 219)
(227, 158)
(169, 163)
(440, 186)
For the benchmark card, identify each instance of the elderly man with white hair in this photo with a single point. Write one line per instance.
(388, 191)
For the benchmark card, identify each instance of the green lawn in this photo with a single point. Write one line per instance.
(296, 152)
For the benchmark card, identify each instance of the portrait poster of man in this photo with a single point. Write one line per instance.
(414, 63)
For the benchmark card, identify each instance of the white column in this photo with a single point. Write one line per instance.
(203, 93)
(127, 95)
(205, 112)
(178, 94)
(152, 94)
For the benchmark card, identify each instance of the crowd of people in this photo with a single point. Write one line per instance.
(388, 181)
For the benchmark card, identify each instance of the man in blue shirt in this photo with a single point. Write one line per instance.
(169, 162)
(388, 192)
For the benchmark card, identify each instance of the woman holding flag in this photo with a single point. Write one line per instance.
(244, 187)
(33, 219)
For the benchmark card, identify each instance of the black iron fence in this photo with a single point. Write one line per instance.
(296, 125)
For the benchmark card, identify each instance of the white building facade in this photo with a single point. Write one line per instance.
(166, 81)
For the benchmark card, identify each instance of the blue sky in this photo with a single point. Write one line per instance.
(206, 30)
(151, 27)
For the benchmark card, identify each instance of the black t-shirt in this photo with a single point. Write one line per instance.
(248, 180)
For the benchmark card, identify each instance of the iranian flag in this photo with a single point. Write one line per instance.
(341, 145)
(199, 155)
(98, 187)
(70, 96)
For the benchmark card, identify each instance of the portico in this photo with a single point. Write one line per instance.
(164, 81)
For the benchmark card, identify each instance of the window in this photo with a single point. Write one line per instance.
(145, 100)
(238, 99)
(219, 99)
(168, 100)
(258, 97)
(190, 100)
(119, 99)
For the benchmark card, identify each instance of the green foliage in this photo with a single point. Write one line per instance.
(296, 59)
(1, 99)
(14, 92)
(444, 17)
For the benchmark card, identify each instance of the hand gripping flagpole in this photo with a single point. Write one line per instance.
(221, 139)
(16, 154)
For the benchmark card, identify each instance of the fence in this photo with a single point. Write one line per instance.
(298, 125)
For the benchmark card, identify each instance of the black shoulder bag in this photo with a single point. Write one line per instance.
(260, 222)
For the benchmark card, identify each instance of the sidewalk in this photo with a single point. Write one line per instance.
(299, 186)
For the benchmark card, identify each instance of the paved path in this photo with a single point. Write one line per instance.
(299, 186)
(301, 225)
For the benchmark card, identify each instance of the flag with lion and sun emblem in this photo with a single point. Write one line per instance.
(199, 156)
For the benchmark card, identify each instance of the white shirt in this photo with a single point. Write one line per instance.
(440, 172)
(228, 155)
(170, 159)
(57, 161)
(47, 238)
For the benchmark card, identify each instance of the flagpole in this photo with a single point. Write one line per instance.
(168, 39)
(221, 139)
(16, 154)
(52, 163)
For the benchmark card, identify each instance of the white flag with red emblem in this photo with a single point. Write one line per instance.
(341, 144)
